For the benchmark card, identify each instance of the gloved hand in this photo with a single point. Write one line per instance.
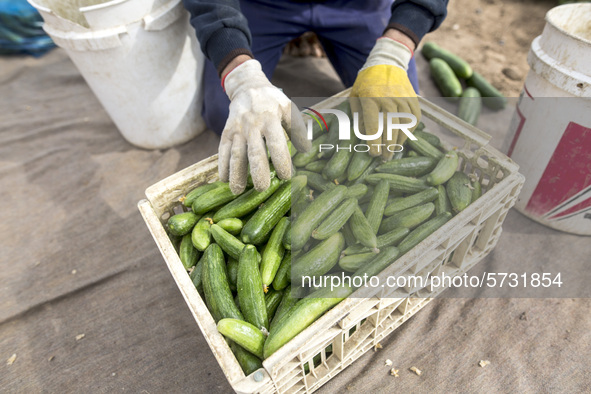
(382, 85)
(257, 109)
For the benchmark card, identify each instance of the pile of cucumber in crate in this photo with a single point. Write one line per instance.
(343, 213)
(448, 70)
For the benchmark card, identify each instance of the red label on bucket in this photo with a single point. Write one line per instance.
(567, 175)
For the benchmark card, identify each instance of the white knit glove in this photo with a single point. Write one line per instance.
(257, 109)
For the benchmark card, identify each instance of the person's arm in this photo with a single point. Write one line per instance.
(222, 31)
(415, 18)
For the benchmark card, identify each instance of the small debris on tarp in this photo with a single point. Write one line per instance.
(388, 363)
(376, 347)
(11, 359)
(416, 370)
(80, 336)
(394, 372)
(483, 363)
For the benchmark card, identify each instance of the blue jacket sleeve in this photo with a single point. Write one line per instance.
(416, 18)
(221, 29)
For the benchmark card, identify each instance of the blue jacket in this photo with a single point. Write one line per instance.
(223, 31)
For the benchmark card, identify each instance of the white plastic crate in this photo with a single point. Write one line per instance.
(356, 325)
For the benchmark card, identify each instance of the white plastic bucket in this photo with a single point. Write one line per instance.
(142, 61)
(550, 134)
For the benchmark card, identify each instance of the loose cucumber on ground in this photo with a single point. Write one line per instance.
(377, 204)
(424, 148)
(264, 220)
(401, 203)
(470, 106)
(213, 199)
(409, 218)
(379, 263)
(215, 285)
(362, 230)
(274, 252)
(336, 220)
(231, 225)
(494, 99)
(188, 254)
(459, 66)
(399, 183)
(353, 262)
(283, 276)
(193, 194)
(248, 361)
(182, 223)
(441, 202)
(304, 313)
(445, 78)
(272, 301)
(359, 163)
(388, 239)
(444, 169)
(201, 236)
(320, 259)
(247, 202)
(318, 209)
(459, 191)
(244, 334)
(423, 231)
(229, 243)
(430, 138)
(250, 289)
(408, 166)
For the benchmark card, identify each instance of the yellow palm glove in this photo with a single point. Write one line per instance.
(382, 85)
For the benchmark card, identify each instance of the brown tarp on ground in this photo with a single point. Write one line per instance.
(76, 258)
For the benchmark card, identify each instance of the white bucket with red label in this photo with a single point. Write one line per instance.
(550, 134)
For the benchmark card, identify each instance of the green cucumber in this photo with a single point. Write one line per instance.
(188, 254)
(302, 315)
(197, 273)
(248, 361)
(216, 287)
(338, 163)
(442, 203)
(320, 259)
(409, 218)
(460, 67)
(377, 204)
(408, 166)
(287, 238)
(289, 299)
(229, 243)
(459, 191)
(247, 202)
(348, 234)
(430, 138)
(272, 301)
(244, 334)
(399, 183)
(477, 187)
(357, 191)
(274, 252)
(424, 148)
(412, 153)
(250, 289)
(302, 159)
(399, 204)
(381, 261)
(213, 199)
(359, 163)
(256, 230)
(353, 262)
(336, 220)
(316, 166)
(444, 169)
(470, 106)
(362, 230)
(232, 271)
(370, 169)
(316, 181)
(423, 231)
(201, 236)
(318, 209)
(182, 223)
(231, 225)
(283, 276)
(193, 194)
(388, 239)
(445, 78)
(175, 241)
(494, 99)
